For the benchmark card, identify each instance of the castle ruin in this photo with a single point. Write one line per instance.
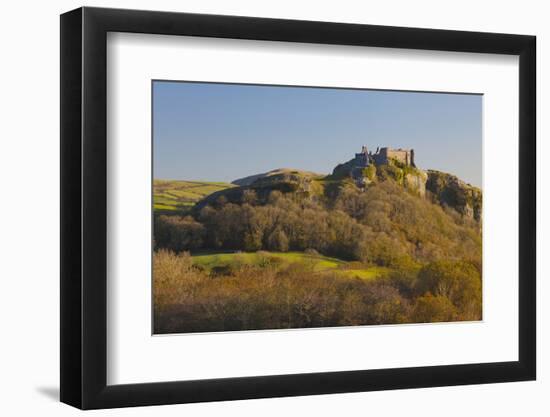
(382, 156)
(356, 167)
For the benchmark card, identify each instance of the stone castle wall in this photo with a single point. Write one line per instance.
(382, 156)
(405, 156)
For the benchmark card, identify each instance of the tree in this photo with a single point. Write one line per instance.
(278, 241)
(249, 197)
(178, 233)
(432, 309)
(459, 281)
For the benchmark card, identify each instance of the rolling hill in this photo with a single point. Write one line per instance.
(246, 181)
(175, 196)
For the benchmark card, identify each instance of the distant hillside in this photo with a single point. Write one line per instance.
(280, 171)
(176, 196)
(438, 187)
(286, 180)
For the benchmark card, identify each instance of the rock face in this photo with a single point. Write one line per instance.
(345, 169)
(284, 180)
(450, 191)
(411, 178)
(416, 182)
(445, 189)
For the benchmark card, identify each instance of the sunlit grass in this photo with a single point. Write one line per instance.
(318, 263)
(173, 195)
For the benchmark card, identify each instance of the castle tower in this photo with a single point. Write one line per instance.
(362, 159)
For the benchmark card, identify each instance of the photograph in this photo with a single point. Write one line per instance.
(292, 207)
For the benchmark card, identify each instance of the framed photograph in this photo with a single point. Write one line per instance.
(259, 208)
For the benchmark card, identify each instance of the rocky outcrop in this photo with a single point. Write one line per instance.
(344, 170)
(410, 177)
(261, 185)
(451, 191)
(286, 181)
(416, 181)
(445, 189)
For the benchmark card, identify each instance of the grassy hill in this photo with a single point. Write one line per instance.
(286, 180)
(317, 263)
(246, 181)
(172, 196)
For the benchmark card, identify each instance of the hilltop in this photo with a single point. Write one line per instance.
(280, 172)
(367, 169)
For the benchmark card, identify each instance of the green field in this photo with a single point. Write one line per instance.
(318, 263)
(175, 195)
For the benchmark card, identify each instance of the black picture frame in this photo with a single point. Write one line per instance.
(84, 207)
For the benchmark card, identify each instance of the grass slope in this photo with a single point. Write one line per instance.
(175, 195)
(319, 263)
(274, 173)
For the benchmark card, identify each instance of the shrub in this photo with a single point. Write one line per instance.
(458, 281)
(370, 172)
(392, 172)
(432, 309)
(174, 278)
(239, 296)
(178, 233)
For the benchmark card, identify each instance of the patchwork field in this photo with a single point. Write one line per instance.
(174, 195)
(318, 264)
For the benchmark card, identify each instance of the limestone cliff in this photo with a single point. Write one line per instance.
(451, 191)
(416, 181)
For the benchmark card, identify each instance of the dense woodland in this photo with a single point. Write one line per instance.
(432, 251)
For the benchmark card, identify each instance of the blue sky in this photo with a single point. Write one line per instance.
(221, 132)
